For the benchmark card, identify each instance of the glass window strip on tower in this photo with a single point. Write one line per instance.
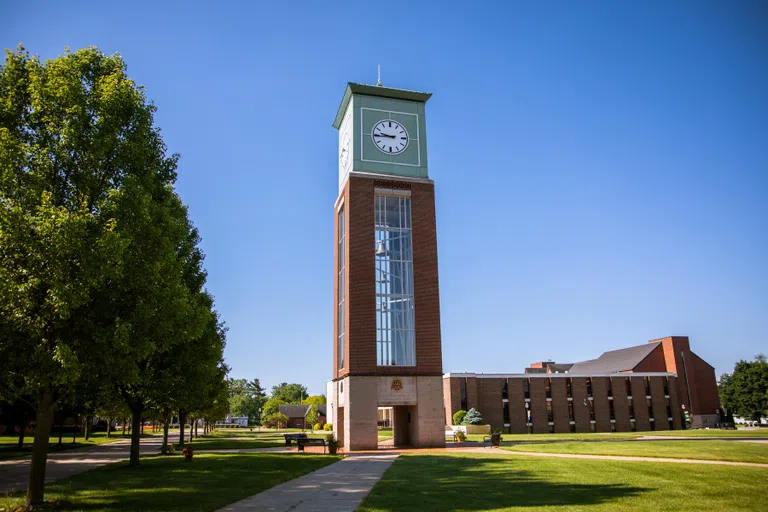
(340, 345)
(394, 282)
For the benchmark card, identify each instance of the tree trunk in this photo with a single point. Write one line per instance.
(181, 429)
(135, 437)
(88, 421)
(43, 422)
(191, 428)
(109, 427)
(22, 428)
(142, 426)
(196, 423)
(165, 437)
(61, 430)
(124, 421)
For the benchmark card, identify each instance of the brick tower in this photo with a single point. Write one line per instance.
(387, 348)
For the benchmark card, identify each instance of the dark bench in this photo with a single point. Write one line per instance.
(309, 441)
(293, 437)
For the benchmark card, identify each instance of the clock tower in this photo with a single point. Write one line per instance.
(387, 348)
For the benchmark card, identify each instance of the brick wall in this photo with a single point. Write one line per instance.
(638, 401)
(580, 410)
(600, 401)
(620, 404)
(659, 403)
(360, 293)
(538, 405)
(517, 416)
(675, 402)
(489, 402)
(560, 405)
(706, 386)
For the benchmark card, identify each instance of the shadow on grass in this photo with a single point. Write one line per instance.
(207, 482)
(424, 482)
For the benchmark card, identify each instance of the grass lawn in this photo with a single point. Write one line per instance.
(9, 448)
(385, 433)
(247, 442)
(704, 450)
(206, 483)
(495, 482)
(538, 438)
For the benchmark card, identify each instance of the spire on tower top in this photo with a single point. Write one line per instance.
(379, 80)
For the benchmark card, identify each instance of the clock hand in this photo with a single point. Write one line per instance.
(383, 135)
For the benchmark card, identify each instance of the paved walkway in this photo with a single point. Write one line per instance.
(339, 487)
(620, 457)
(14, 472)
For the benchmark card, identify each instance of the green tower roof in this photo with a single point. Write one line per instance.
(376, 90)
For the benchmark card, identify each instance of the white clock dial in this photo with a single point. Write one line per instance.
(344, 149)
(390, 137)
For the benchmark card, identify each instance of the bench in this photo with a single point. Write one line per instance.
(293, 437)
(309, 441)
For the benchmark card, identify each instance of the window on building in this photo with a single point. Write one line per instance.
(504, 393)
(628, 383)
(569, 387)
(548, 388)
(631, 409)
(528, 415)
(463, 393)
(506, 412)
(340, 313)
(394, 281)
(589, 386)
(550, 415)
(592, 426)
(611, 410)
(669, 408)
(570, 411)
(666, 387)
(610, 386)
(551, 428)
(647, 386)
(650, 407)
(591, 405)
(573, 427)
(526, 388)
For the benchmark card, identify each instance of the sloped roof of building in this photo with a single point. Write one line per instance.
(299, 410)
(559, 367)
(615, 361)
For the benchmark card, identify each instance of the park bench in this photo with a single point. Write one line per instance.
(293, 437)
(309, 441)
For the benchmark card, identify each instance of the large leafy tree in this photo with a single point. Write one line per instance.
(246, 398)
(745, 391)
(80, 162)
(289, 393)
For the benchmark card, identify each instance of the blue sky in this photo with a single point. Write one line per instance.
(601, 168)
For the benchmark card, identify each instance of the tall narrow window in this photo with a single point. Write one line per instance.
(570, 411)
(629, 387)
(504, 393)
(569, 388)
(394, 281)
(505, 412)
(463, 393)
(526, 388)
(589, 386)
(548, 388)
(647, 386)
(340, 318)
(550, 415)
(610, 386)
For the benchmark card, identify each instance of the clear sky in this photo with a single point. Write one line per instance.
(601, 168)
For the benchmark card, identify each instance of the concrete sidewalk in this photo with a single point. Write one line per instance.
(14, 472)
(339, 487)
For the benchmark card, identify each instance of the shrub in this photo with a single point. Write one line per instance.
(276, 420)
(328, 427)
(461, 436)
(458, 416)
(473, 417)
(316, 426)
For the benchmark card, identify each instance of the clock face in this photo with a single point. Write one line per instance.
(390, 137)
(344, 149)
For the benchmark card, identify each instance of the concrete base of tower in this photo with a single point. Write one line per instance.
(417, 404)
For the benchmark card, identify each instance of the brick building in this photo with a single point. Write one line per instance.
(646, 387)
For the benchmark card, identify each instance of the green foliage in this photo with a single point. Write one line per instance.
(271, 407)
(316, 426)
(745, 391)
(315, 399)
(328, 427)
(275, 420)
(331, 442)
(312, 414)
(461, 436)
(458, 416)
(289, 393)
(473, 417)
(246, 398)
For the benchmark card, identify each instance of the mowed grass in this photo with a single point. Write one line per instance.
(206, 483)
(212, 442)
(501, 482)
(612, 436)
(735, 451)
(9, 444)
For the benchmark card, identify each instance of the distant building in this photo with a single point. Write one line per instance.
(646, 387)
(233, 421)
(297, 414)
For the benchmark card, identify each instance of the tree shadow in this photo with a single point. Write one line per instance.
(430, 482)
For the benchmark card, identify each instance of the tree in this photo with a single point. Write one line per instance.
(745, 391)
(458, 416)
(312, 416)
(473, 417)
(246, 398)
(315, 399)
(80, 159)
(276, 420)
(289, 393)
(271, 406)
